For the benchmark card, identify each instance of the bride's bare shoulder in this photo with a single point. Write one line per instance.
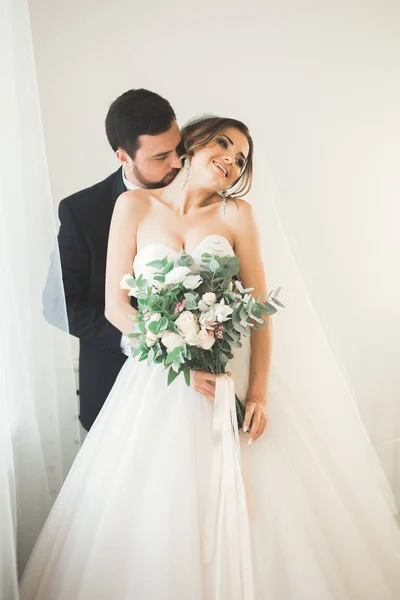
(132, 203)
(241, 212)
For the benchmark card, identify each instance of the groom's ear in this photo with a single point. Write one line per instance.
(122, 156)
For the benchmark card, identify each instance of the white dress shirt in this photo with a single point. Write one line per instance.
(125, 341)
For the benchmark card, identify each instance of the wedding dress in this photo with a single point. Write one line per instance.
(157, 506)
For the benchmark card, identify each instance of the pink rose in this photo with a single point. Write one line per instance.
(205, 339)
(187, 326)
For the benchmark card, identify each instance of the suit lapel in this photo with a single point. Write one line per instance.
(118, 186)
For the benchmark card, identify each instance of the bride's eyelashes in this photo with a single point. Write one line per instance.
(222, 142)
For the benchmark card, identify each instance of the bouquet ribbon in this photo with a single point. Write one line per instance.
(227, 508)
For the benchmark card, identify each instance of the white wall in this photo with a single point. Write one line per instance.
(318, 84)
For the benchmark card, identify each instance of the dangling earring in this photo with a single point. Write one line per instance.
(186, 171)
(224, 196)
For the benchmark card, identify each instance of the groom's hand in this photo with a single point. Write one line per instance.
(203, 382)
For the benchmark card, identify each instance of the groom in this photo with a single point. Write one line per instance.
(142, 131)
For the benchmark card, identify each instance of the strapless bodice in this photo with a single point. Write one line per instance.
(212, 244)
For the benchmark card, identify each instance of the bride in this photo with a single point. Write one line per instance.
(147, 511)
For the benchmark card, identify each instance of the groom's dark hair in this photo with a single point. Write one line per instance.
(135, 113)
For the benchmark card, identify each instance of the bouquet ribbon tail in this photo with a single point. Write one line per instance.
(226, 516)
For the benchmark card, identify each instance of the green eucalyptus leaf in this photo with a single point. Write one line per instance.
(150, 356)
(232, 333)
(213, 265)
(187, 351)
(143, 355)
(142, 294)
(168, 267)
(186, 373)
(223, 358)
(172, 375)
(158, 264)
(154, 327)
(275, 293)
(267, 309)
(234, 264)
(163, 323)
(184, 260)
(225, 346)
(278, 302)
(242, 330)
(131, 282)
(171, 356)
(236, 344)
(236, 316)
(242, 313)
(257, 319)
(176, 365)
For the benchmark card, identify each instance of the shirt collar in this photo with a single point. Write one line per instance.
(128, 184)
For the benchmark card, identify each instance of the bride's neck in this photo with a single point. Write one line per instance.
(183, 199)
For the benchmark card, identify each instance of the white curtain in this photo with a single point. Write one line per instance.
(39, 434)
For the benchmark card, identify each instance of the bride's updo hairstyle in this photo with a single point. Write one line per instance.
(199, 132)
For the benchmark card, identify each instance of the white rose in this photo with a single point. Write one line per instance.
(190, 339)
(151, 338)
(176, 275)
(202, 306)
(207, 318)
(205, 339)
(222, 311)
(191, 282)
(188, 326)
(209, 298)
(172, 340)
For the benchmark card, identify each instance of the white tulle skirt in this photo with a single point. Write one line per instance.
(130, 521)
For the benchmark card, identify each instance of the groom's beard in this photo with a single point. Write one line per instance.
(152, 185)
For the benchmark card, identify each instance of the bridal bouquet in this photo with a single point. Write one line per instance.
(192, 321)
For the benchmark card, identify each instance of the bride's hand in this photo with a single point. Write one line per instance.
(255, 414)
(204, 382)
